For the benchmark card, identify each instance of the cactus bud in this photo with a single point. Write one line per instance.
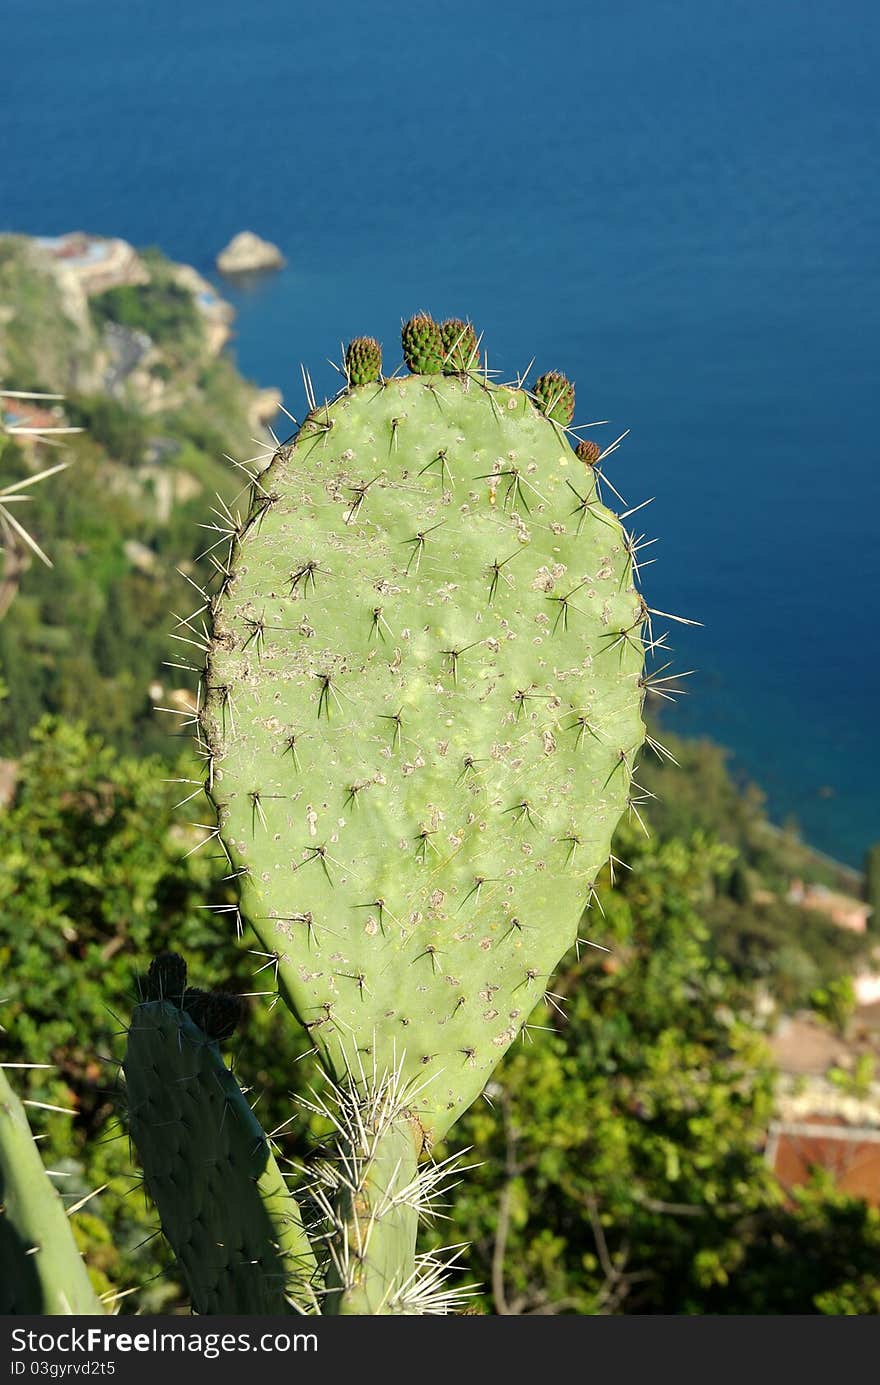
(166, 978)
(195, 1003)
(422, 345)
(460, 352)
(554, 394)
(223, 1013)
(588, 451)
(363, 361)
(215, 1012)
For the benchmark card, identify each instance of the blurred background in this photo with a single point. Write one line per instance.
(676, 203)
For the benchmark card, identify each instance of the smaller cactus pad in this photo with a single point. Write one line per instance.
(379, 1221)
(235, 1229)
(41, 1271)
(422, 343)
(363, 361)
(554, 394)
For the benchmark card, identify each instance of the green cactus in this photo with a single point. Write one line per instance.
(368, 1281)
(235, 1229)
(371, 1195)
(40, 1267)
(422, 706)
(455, 656)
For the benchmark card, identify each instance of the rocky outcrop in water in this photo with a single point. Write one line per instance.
(246, 253)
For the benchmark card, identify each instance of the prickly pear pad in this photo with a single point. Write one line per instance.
(423, 704)
(224, 1206)
(41, 1271)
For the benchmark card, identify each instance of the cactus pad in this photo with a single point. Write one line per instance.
(234, 1228)
(40, 1267)
(419, 766)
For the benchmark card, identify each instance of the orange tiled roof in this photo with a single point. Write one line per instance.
(851, 1155)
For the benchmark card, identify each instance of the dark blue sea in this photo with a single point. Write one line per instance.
(675, 201)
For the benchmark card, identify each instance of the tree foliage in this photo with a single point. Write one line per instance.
(162, 308)
(620, 1165)
(625, 1141)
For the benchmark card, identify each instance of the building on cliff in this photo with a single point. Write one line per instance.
(95, 262)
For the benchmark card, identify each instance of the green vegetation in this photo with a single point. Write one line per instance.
(119, 429)
(798, 955)
(41, 346)
(797, 951)
(162, 308)
(87, 638)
